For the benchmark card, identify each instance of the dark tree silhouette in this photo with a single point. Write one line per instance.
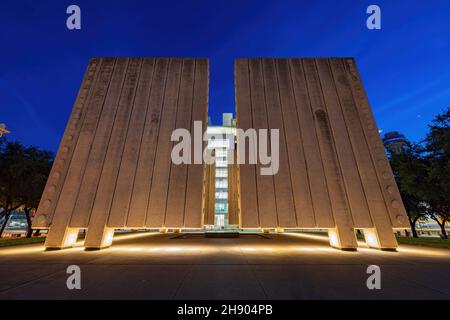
(23, 174)
(410, 171)
(437, 152)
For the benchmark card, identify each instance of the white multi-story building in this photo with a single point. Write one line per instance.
(221, 138)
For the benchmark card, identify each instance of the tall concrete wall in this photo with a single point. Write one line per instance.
(333, 171)
(113, 168)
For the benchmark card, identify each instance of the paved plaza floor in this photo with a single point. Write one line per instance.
(183, 266)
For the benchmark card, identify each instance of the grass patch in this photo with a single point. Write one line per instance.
(426, 242)
(8, 242)
(20, 241)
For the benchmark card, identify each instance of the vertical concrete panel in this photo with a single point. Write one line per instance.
(127, 171)
(318, 186)
(355, 191)
(116, 151)
(194, 187)
(248, 199)
(161, 171)
(176, 196)
(382, 167)
(265, 183)
(336, 189)
(91, 175)
(282, 179)
(147, 151)
(74, 176)
(377, 207)
(60, 167)
(296, 154)
(108, 178)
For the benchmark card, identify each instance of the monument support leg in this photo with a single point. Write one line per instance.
(60, 238)
(380, 239)
(98, 238)
(343, 238)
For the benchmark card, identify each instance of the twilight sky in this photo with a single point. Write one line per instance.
(405, 66)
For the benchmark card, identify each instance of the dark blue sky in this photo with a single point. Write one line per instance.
(405, 66)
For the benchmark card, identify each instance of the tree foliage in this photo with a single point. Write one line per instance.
(410, 171)
(422, 172)
(437, 153)
(23, 174)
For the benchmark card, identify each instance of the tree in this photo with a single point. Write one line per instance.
(394, 142)
(437, 153)
(410, 171)
(12, 173)
(422, 172)
(23, 173)
(39, 166)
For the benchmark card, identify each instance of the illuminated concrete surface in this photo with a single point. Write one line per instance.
(276, 266)
(114, 169)
(333, 171)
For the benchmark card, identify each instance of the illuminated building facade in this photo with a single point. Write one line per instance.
(222, 143)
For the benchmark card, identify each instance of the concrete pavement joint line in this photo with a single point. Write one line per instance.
(259, 282)
(419, 284)
(406, 259)
(177, 290)
(395, 275)
(253, 272)
(24, 284)
(105, 280)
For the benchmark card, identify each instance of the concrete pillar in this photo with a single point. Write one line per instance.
(98, 238)
(343, 239)
(380, 240)
(60, 239)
